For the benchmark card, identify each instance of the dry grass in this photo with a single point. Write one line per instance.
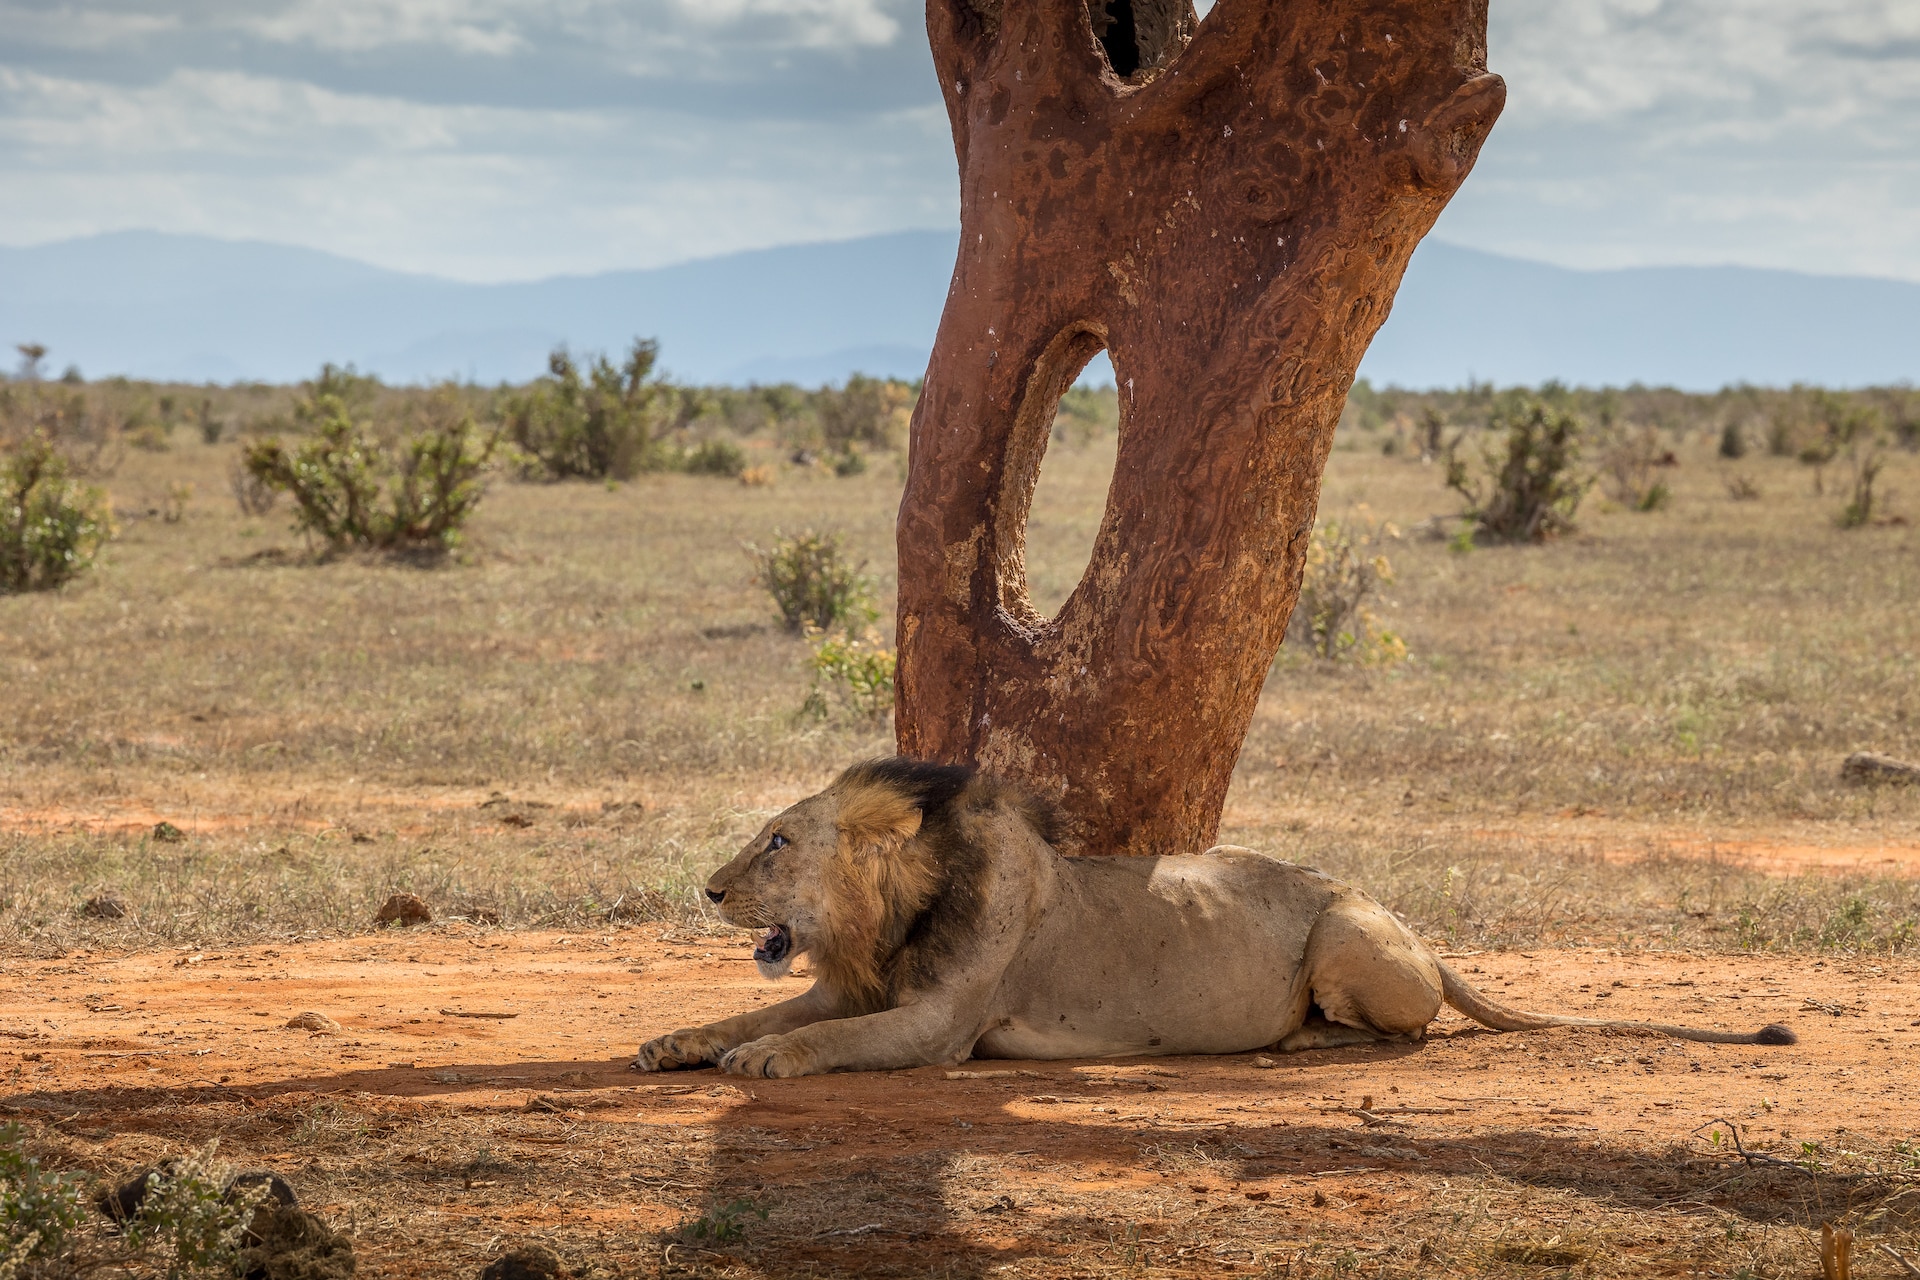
(327, 732)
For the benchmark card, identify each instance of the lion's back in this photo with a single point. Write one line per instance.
(1195, 953)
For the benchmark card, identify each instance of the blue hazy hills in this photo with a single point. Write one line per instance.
(190, 308)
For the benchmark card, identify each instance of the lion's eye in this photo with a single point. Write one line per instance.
(776, 841)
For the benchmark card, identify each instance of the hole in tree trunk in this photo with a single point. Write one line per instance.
(1119, 38)
(1071, 495)
(1041, 549)
(1140, 35)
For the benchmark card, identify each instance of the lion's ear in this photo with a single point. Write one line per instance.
(878, 819)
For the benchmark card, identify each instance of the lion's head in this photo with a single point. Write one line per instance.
(845, 876)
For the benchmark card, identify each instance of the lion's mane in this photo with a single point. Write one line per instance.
(904, 889)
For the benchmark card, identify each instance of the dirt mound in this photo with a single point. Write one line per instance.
(285, 1242)
(529, 1262)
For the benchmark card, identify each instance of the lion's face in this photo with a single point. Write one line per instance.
(827, 877)
(778, 883)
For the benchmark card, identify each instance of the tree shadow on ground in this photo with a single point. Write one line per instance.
(914, 1173)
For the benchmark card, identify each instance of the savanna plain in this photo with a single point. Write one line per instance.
(1605, 778)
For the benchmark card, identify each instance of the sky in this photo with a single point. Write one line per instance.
(515, 139)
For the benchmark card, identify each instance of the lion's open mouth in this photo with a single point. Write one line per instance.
(775, 945)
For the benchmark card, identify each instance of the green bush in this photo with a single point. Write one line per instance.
(716, 458)
(867, 411)
(38, 1211)
(813, 584)
(601, 424)
(51, 526)
(1733, 441)
(1528, 490)
(353, 490)
(1630, 458)
(859, 671)
(190, 1218)
(1345, 566)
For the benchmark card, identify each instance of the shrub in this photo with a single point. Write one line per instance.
(1529, 491)
(38, 1211)
(1859, 434)
(51, 526)
(859, 671)
(191, 1217)
(813, 584)
(598, 425)
(254, 496)
(1433, 430)
(868, 411)
(1733, 442)
(1345, 566)
(1867, 458)
(352, 490)
(717, 458)
(1630, 458)
(87, 435)
(211, 427)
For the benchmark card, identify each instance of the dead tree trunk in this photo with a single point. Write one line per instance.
(1227, 207)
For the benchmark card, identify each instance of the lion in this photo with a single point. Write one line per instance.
(941, 924)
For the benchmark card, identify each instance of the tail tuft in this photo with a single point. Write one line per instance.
(1774, 1033)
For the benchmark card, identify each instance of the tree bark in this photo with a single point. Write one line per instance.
(1230, 222)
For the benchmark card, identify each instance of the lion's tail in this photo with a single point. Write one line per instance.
(1491, 1013)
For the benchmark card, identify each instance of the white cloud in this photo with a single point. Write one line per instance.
(1774, 132)
(495, 138)
(471, 192)
(464, 26)
(813, 23)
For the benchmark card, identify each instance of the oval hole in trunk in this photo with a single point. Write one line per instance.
(1070, 497)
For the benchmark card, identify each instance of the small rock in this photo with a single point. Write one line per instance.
(167, 833)
(528, 1262)
(403, 909)
(1872, 767)
(310, 1021)
(105, 906)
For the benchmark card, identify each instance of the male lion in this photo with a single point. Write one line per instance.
(942, 925)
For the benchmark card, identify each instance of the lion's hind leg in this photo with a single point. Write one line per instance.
(1369, 979)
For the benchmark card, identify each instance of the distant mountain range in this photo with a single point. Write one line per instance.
(188, 308)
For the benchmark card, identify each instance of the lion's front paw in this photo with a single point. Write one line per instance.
(772, 1057)
(691, 1047)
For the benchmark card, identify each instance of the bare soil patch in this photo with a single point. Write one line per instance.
(440, 1139)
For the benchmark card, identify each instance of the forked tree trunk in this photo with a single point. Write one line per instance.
(1227, 207)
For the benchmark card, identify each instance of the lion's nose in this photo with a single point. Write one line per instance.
(716, 895)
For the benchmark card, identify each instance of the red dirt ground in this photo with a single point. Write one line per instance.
(126, 1054)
